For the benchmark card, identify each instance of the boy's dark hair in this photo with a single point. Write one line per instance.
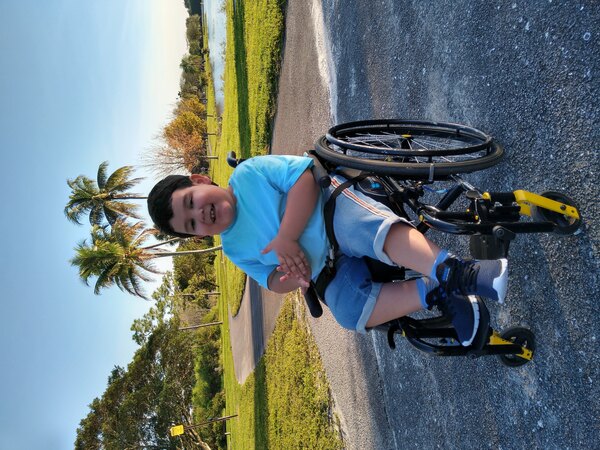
(159, 202)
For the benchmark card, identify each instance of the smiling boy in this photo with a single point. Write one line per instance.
(202, 212)
(270, 219)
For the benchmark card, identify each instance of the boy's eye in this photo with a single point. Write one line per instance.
(193, 224)
(191, 202)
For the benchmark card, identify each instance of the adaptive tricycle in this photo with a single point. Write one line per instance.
(414, 168)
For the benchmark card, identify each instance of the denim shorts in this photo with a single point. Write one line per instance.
(361, 225)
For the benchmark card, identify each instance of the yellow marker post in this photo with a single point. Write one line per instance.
(177, 430)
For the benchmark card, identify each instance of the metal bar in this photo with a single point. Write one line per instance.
(208, 422)
(201, 325)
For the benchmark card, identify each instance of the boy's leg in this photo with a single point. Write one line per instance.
(408, 247)
(395, 300)
(400, 299)
(364, 227)
(358, 303)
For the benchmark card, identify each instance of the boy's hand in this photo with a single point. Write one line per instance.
(302, 280)
(286, 282)
(290, 256)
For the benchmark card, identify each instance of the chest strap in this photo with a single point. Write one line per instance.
(328, 272)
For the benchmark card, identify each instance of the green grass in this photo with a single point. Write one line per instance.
(253, 55)
(252, 63)
(230, 278)
(212, 124)
(285, 403)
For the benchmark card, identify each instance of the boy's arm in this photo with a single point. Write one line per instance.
(301, 201)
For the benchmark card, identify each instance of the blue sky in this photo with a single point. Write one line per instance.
(81, 82)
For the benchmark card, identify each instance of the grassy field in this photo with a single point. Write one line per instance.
(212, 124)
(252, 62)
(285, 403)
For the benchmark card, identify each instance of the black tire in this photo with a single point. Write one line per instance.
(414, 150)
(520, 336)
(564, 224)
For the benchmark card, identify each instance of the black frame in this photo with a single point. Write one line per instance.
(501, 221)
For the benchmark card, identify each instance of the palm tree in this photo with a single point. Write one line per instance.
(103, 198)
(119, 257)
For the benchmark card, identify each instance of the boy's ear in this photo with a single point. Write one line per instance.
(200, 179)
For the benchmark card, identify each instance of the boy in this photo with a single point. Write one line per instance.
(270, 219)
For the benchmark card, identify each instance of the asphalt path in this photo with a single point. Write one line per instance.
(251, 327)
(527, 73)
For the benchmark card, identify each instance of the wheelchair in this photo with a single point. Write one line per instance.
(405, 163)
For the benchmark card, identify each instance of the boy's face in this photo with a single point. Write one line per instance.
(202, 209)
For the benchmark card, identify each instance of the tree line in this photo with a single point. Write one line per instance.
(171, 371)
(116, 252)
(183, 143)
(193, 6)
(175, 376)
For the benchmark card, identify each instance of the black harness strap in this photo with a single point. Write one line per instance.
(328, 271)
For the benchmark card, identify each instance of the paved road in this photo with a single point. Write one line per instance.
(303, 114)
(526, 72)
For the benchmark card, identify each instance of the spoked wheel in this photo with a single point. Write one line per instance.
(564, 224)
(520, 336)
(415, 150)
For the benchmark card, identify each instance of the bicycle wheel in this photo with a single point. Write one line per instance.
(520, 336)
(415, 150)
(564, 224)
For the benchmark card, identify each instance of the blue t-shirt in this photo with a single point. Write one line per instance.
(260, 186)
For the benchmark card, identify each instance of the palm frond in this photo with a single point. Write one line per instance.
(120, 190)
(148, 266)
(134, 284)
(114, 256)
(120, 209)
(101, 177)
(83, 185)
(74, 212)
(120, 180)
(104, 280)
(96, 215)
(141, 238)
(110, 215)
(103, 198)
(81, 198)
